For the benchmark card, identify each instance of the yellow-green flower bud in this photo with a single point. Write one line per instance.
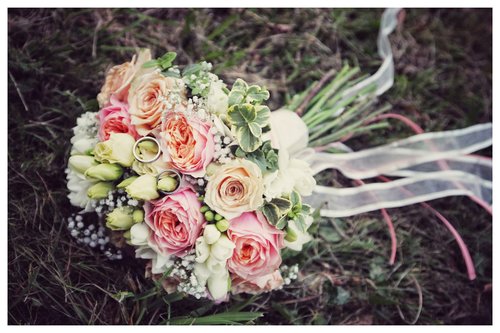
(204, 209)
(209, 216)
(80, 163)
(120, 218)
(126, 182)
(138, 215)
(222, 225)
(99, 190)
(167, 184)
(291, 236)
(218, 217)
(105, 172)
(143, 188)
(148, 145)
(127, 235)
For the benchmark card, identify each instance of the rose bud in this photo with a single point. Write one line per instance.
(143, 188)
(99, 190)
(120, 218)
(80, 163)
(105, 172)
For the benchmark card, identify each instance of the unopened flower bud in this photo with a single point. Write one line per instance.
(105, 172)
(138, 216)
(291, 236)
(167, 184)
(204, 209)
(99, 190)
(143, 188)
(209, 216)
(222, 225)
(80, 163)
(126, 182)
(148, 145)
(218, 217)
(211, 234)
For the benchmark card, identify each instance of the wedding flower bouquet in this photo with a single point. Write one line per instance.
(210, 186)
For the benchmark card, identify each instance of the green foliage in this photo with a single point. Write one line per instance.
(242, 93)
(164, 62)
(265, 157)
(198, 77)
(248, 121)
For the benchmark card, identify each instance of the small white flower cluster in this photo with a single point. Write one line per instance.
(93, 235)
(183, 269)
(202, 81)
(223, 153)
(289, 273)
(115, 199)
(86, 125)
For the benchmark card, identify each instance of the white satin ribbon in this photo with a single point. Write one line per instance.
(405, 153)
(342, 202)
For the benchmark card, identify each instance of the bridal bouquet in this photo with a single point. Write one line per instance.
(210, 186)
(197, 176)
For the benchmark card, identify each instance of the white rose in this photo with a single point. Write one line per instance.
(211, 234)
(202, 250)
(222, 249)
(218, 285)
(302, 237)
(139, 234)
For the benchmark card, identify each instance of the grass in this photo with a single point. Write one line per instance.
(57, 60)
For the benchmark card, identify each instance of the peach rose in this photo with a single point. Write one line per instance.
(258, 285)
(152, 94)
(258, 245)
(119, 77)
(115, 118)
(235, 188)
(187, 144)
(175, 222)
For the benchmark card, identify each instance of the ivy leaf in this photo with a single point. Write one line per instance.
(295, 198)
(256, 94)
(263, 114)
(241, 114)
(255, 129)
(248, 142)
(282, 223)
(283, 204)
(301, 222)
(271, 212)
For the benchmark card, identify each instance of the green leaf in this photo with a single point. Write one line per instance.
(263, 114)
(256, 94)
(301, 222)
(283, 204)
(227, 318)
(282, 223)
(248, 142)
(295, 198)
(150, 64)
(255, 129)
(241, 115)
(272, 213)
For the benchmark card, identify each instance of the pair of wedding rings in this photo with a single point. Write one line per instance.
(167, 173)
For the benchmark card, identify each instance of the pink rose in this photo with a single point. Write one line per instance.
(187, 143)
(175, 221)
(115, 118)
(258, 245)
(258, 285)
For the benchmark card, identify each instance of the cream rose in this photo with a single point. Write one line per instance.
(150, 95)
(235, 188)
(119, 77)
